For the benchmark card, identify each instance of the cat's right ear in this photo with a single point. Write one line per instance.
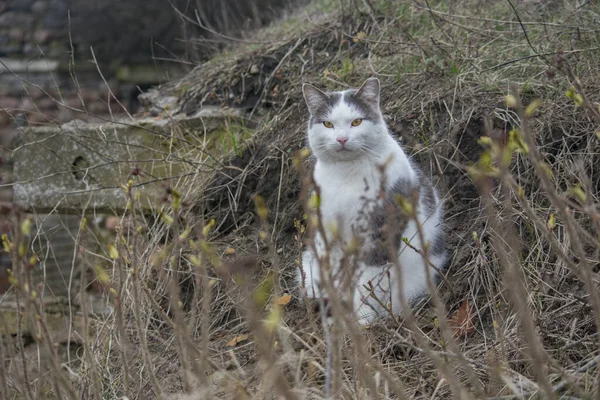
(315, 99)
(369, 91)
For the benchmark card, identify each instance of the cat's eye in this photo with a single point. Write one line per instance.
(357, 122)
(327, 124)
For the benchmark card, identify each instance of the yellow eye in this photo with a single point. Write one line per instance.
(328, 124)
(357, 122)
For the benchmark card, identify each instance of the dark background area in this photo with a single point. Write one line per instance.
(128, 31)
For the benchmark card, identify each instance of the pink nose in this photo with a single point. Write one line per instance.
(342, 140)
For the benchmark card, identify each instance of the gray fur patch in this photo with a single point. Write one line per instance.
(426, 195)
(388, 222)
(437, 245)
(368, 110)
(322, 111)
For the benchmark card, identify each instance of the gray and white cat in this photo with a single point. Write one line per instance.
(351, 142)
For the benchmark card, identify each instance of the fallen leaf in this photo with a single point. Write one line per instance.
(461, 321)
(360, 36)
(238, 339)
(283, 300)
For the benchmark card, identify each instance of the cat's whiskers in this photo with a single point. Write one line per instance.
(322, 148)
(368, 151)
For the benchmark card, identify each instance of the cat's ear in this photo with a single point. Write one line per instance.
(315, 99)
(369, 91)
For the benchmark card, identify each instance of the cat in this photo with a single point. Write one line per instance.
(362, 172)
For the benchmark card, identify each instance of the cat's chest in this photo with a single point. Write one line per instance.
(346, 196)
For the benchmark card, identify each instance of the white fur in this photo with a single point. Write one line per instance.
(349, 180)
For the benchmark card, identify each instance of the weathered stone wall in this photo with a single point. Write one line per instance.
(41, 84)
(48, 76)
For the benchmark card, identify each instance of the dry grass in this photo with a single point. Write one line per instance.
(524, 235)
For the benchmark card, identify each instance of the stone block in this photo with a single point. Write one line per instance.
(73, 101)
(17, 34)
(46, 104)
(8, 102)
(42, 36)
(10, 49)
(5, 119)
(97, 107)
(83, 165)
(9, 19)
(56, 18)
(20, 5)
(18, 65)
(39, 7)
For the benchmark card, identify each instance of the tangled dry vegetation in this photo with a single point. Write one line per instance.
(210, 309)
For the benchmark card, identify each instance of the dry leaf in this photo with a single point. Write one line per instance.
(360, 36)
(238, 339)
(461, 321)
(283, 300)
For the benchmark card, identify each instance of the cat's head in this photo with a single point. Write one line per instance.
(346, 125)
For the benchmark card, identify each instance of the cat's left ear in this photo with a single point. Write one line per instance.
(369, 91)
(315, 99)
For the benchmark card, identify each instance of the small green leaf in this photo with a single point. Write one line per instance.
(511, 101)
(184, 235)
(273, 319)
(102, 275)
(261, 208)
(26, 226)
(263, 291)
(551, 221)
(22, 249)
(167, 219)
(208, 227)
(314, 201)
(113, 252)
(578, 192)
(6, 243)
(532, 107)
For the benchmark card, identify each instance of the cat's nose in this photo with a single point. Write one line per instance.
(342, 140)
